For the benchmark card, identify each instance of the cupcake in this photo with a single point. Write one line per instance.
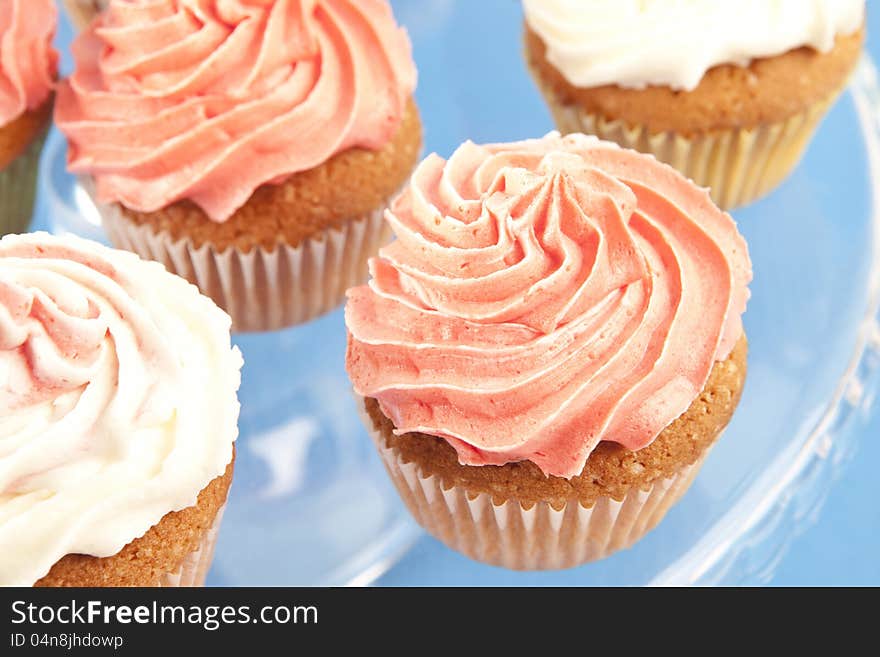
(118, 413)
(26, 93)
(729, 93)
(249, 147)
(82, 12)
(551, 346)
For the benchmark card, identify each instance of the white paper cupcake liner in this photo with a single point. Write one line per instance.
(737, 165)
(262, 290)
(194, 569)
(538, 538)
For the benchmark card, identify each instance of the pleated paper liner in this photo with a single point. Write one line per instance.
(195, 566)
(18, 188)
(262, 290)
(536, 538)
(738, 165)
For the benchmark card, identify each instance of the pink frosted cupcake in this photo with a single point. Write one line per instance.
(551, 346)
(28, 65)
(251, 147)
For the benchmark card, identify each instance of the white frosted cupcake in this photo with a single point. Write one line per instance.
(729, 93)
(118, 413)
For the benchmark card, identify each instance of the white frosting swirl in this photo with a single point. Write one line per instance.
(634, 43)
(117, 399)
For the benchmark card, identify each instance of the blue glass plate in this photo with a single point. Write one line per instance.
(311, 504)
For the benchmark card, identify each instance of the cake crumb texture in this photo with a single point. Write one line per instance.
(611, 471)
(769, 90)
(161, 550)
(350, 185)
(17, 135)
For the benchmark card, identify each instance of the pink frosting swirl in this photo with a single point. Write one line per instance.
(42, 365)
(28, 63)
(543, 296)
(207, 100)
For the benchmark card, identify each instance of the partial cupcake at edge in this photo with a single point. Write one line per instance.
(118, 412)
(249, 147)
(729, 93)
(26, 94)
(83, 12)
(550, 348)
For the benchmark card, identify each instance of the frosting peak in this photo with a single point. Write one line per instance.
(117, 399)
(543, 296)
(28, 62)
(207, 100)
(517, 253)
(633, 43)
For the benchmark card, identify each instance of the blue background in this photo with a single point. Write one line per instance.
(841, 548)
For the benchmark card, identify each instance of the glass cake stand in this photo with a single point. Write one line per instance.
(311, 504)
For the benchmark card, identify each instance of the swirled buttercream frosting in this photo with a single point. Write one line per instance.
(28, 62)
(634, 43)
(117, 399)
(207, 100)
(543, 296)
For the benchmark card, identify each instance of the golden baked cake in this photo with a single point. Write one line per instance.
(729, 94)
